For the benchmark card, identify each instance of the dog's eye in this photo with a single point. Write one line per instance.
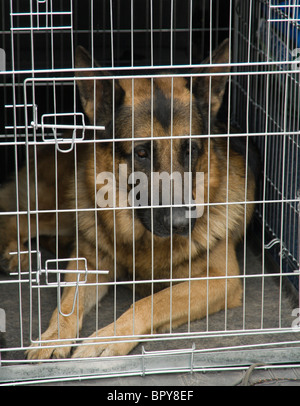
(190, 153)
(141, 153)
(191, 148)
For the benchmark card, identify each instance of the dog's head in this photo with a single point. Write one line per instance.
(156, 122)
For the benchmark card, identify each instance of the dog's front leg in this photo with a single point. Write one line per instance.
(174, 306)
(66, 321)
(139, 322)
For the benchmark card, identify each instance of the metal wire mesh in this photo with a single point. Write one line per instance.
(40, 107)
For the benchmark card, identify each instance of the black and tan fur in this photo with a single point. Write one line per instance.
(203, 252)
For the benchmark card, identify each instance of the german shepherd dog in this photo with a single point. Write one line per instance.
(170, 119)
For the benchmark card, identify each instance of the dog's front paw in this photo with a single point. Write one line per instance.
(9, 259)
(103, 347)
(47, 350)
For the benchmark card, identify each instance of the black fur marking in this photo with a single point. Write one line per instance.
(162, 108)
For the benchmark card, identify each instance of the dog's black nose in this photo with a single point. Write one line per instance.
(182, 221)
(159, 220)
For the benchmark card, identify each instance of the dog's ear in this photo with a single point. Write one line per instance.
(96, 95)
(211, 88)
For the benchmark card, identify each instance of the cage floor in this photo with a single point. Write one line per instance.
(264, 306)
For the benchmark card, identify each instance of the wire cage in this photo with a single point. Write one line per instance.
(42, 106)
(273, 101)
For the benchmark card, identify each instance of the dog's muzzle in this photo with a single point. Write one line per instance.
(168, 221)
